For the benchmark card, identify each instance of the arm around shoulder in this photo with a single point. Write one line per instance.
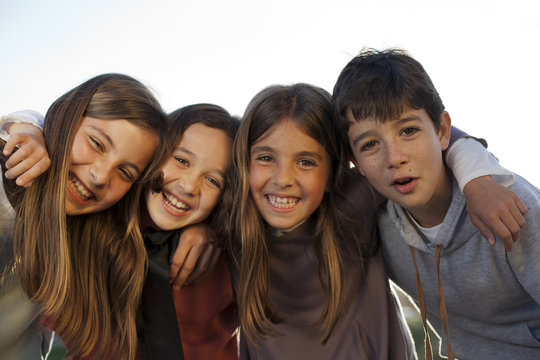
(495, 210)
(22, 132)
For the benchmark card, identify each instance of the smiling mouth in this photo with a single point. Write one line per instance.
(174, 203)
(282, 202)
(79, 189)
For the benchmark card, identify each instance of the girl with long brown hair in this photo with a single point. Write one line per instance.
(310, 282)
(77, 245)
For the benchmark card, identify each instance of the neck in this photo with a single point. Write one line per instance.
(281, 232)
(433, 213)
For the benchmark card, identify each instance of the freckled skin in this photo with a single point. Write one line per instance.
(402, 159)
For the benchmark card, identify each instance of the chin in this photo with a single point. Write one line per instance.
(173, 225)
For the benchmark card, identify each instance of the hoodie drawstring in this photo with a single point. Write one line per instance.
(442, 305)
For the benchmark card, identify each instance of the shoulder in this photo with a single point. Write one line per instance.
(527, 244)
(528, 193)
(530, 196)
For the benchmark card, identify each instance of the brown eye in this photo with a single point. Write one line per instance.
(409, 131)
(264, 158)
(306, 163)
(214, 182)
(369, 145)
(182, 161)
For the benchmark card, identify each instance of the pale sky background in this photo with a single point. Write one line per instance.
(482, 55)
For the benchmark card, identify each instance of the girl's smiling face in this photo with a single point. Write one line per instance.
(288, 174)
(193, 178)
(107, 156)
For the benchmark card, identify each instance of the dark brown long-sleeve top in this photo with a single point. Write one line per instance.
(371, 326)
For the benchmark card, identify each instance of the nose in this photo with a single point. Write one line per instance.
(100, 175)
(395, 156)
(188, 183)
(284, 175)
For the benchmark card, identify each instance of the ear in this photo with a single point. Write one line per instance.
(445, 129)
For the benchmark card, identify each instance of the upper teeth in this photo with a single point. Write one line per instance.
(79, 188)
(173, 201)
(282, 202)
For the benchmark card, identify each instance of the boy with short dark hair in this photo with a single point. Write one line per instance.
(486, 298)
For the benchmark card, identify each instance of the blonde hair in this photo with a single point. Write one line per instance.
(87, 271)
(310, 108)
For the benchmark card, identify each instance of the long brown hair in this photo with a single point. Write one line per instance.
(87, 271)
(309, 107)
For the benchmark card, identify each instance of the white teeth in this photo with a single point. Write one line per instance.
(175, 203)
(282, 202)
(79, 188)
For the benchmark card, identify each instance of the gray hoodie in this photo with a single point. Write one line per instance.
(492, 296)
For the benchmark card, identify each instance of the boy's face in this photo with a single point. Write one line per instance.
(402, 158)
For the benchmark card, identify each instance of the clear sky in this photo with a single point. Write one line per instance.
(482, 55)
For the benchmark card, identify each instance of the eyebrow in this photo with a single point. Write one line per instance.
(111, 145)
(408, 118)
(184, 150)
(301, 153)
(262, 148)
(360, 137)
(309, 153)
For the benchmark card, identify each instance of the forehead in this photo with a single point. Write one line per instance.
(200, 134)
(407, 113)
(210, 144)
(288, 132)
(116, 130)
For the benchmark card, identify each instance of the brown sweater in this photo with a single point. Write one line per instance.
(370, 328)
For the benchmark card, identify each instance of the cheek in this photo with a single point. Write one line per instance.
(317, 184)
(327, 184)
(170, 171)
(117, 190)
(320, 187)
(152, 204)
(371, 167)
(79, 152)
(210, 202)
(256, 176)
(431, 155)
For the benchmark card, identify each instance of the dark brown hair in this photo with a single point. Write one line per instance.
(311, 109)
(381, 85)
